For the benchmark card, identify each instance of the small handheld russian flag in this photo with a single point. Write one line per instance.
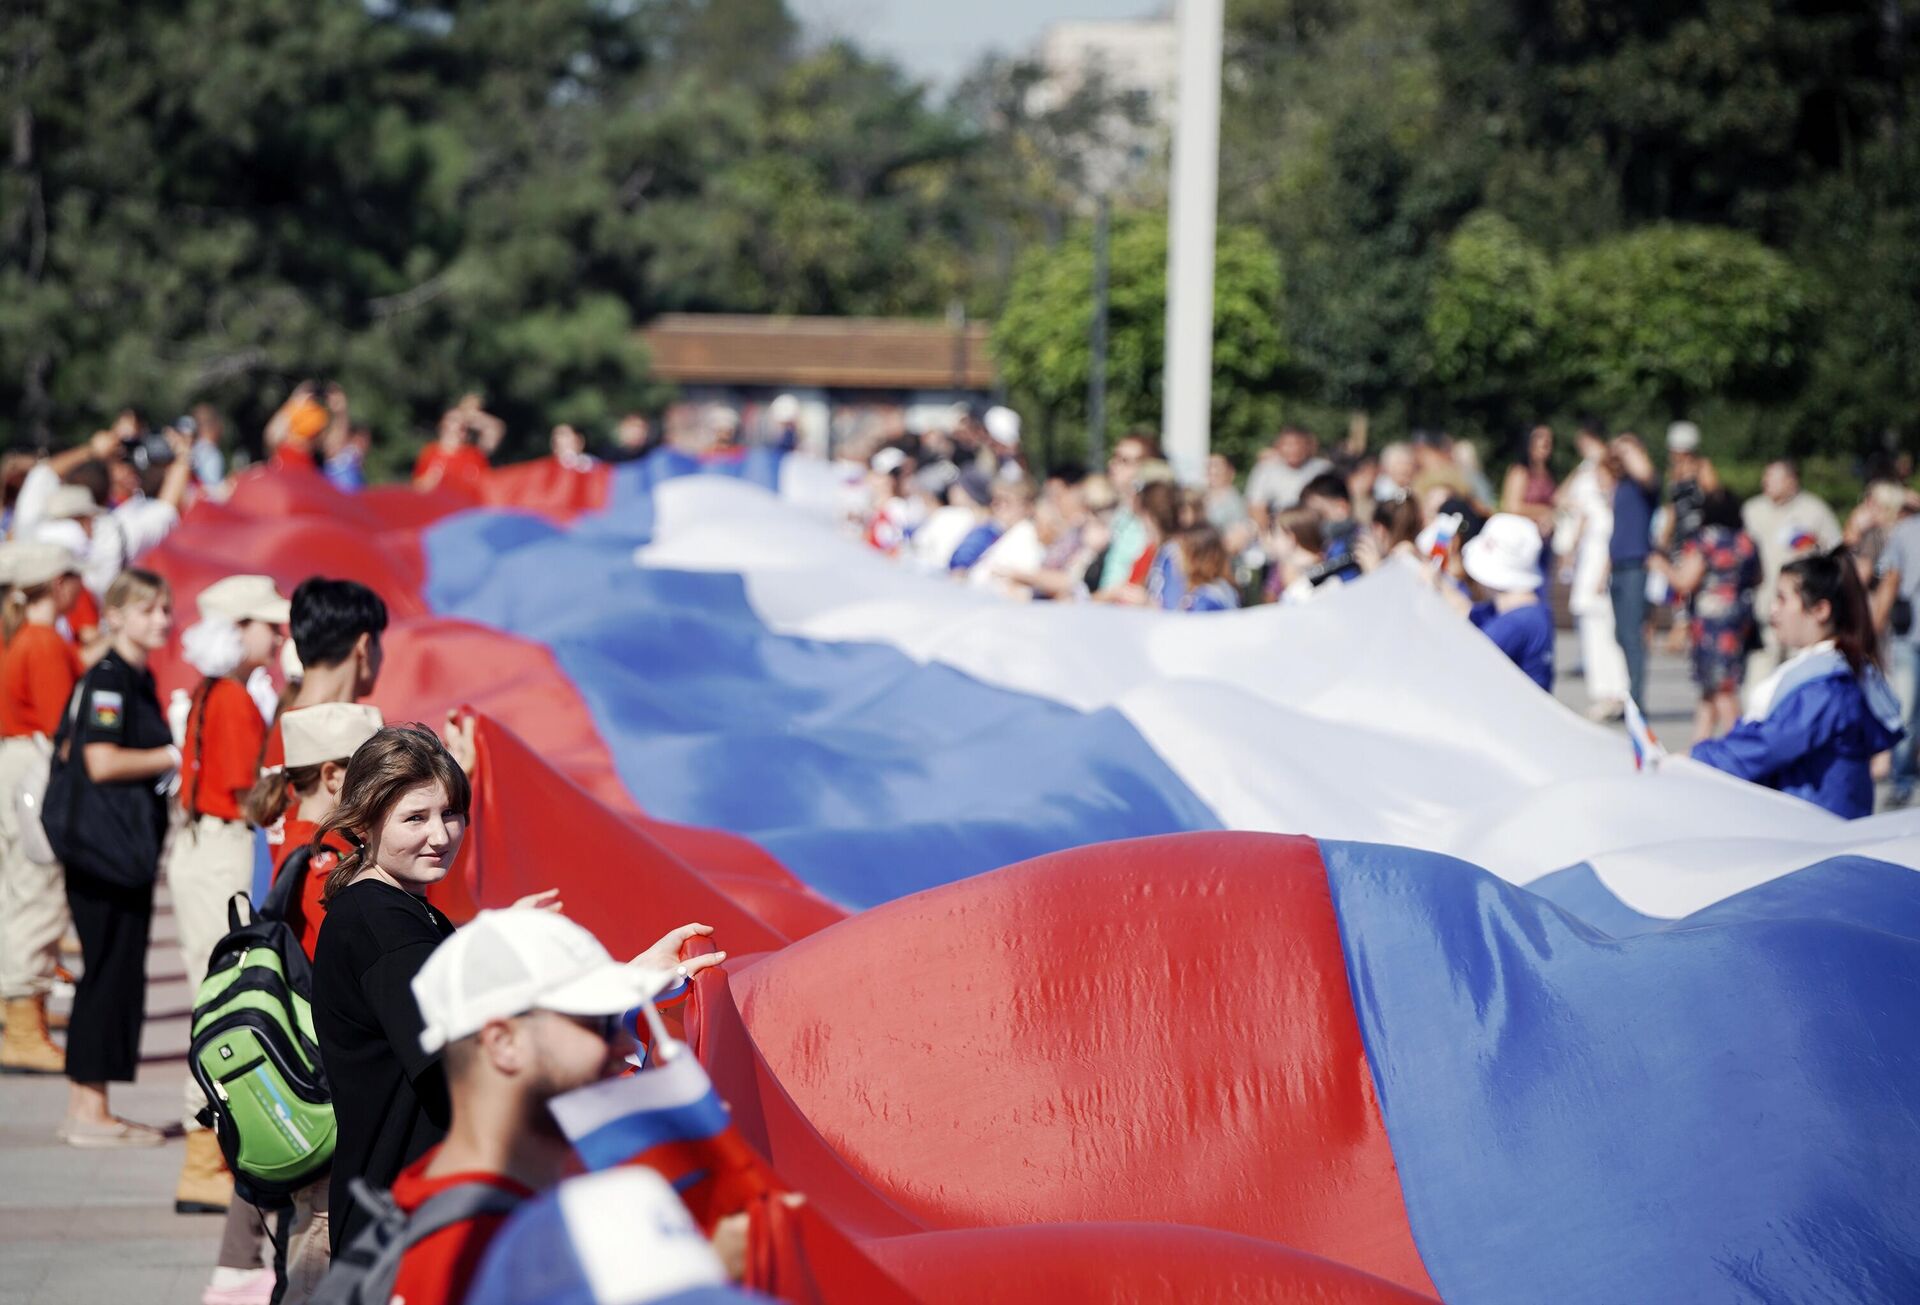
(1436, 541)
(669, 1118)
(1647, 752)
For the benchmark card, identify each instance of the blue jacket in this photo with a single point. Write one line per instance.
(1817, 740)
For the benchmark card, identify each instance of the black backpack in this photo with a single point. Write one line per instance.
(364, 1271)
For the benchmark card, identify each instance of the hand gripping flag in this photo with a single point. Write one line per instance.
(669, 1118)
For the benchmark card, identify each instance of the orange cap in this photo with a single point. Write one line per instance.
(306, 420)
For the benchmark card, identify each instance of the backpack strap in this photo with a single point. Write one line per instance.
(371, 1264)
(286, 884)
(198, 715)
(234, 903)
(458, 1204)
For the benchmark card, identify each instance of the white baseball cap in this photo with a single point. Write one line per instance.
(245, 598)
(327, 732)
(507, 963)
(888, 460)
(1003, 426)
(1683, 437)
(1505, 555)
(784, 409)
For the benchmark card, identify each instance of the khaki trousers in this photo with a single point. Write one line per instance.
(209, 861)
(309, 1246)
(33, 897)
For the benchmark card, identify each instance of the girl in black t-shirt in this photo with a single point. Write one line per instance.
(403, 808)
(125, 747)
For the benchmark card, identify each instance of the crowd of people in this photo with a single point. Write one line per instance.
(1633, 550)
(444, 1046)
(109, 790)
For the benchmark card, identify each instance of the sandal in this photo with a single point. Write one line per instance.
(114, 1134)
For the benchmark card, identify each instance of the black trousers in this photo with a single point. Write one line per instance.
(110, 1001)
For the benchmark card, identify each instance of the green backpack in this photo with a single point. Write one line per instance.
(254, 1053)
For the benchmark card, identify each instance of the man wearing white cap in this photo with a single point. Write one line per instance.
(37, 673)
(1003, 429)
(522, 1005)
(1503, 562)
(242, 625)
(784, 414)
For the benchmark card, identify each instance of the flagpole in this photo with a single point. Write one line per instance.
(1188, 382)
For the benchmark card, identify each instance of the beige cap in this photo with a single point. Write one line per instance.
(70, 501)
(328, 732)
(27, 563)
(245, 598)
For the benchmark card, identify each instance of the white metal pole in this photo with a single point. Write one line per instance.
(1187, 419)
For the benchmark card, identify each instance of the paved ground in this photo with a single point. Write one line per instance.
(79, 1227)
(1670, 691)
(83, 1227)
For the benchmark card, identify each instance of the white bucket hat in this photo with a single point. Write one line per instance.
(1505, 555)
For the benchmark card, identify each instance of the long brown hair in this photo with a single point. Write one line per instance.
(1206, 556)
(383, 770)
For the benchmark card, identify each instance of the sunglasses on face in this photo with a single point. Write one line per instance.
(611, 1029)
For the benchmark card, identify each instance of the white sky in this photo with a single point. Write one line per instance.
(938, 40)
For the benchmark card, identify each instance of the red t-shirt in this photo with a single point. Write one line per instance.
(221, 757)
(462, 468)
(37, 675)
(440, 1269)
(83, 618)
(293, 455)
(306, 911)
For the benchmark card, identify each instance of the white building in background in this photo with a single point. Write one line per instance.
(1134, 54)
(1137, 55)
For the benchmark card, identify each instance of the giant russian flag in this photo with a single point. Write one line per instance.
(1092, 954)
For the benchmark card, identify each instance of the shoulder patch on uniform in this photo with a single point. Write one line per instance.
(107, 708)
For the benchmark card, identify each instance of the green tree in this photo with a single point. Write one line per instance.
(1487, 321)
(1042, 338)
(422, 199)
(1671, 315)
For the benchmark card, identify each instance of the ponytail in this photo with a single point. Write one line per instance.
(1834, 578)
(13, 609)
(275, 791)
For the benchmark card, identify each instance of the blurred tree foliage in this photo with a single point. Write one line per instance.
(1042, 335)
(1496, 210)
(1486, 210)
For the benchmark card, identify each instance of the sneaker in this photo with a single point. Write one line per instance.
(239, 1287)
(115, 1134)
(1602, 712)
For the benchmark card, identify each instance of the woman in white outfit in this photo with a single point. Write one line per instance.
(1586, 525)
